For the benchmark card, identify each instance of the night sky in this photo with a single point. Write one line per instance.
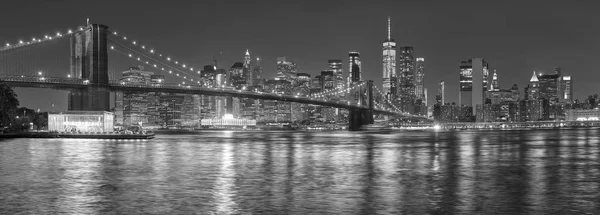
(515, 37)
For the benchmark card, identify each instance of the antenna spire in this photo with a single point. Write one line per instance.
(389, 28)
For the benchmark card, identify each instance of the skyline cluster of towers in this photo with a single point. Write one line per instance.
(405, 85)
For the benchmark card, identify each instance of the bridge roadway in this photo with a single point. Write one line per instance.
(73, 83)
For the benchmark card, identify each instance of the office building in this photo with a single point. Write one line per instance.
(566, 89)
(420, 79)
(406, 75)
(354, 67)
(286, 70)
(440, 97)
(473, 83)
(248, 70)
(336, 67)
(389, 60)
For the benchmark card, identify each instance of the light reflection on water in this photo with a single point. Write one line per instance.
(510, 172)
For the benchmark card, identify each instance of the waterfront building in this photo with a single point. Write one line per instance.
(583, 114)
(228, 121)
(277, 111)
(389, 60)
(81, 121)
(449, 112)
(406, 79)
(171, 109)
(132, 107)
(336, 66)
(354, 67)
(473, 83)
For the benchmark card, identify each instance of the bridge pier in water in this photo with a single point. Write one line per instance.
(89, 61)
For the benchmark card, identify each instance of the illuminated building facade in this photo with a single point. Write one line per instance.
(389, 60)
(336, 67)
(473, 84)
(133, 105)
(228, 121)
(354, 67)
(420, 79)
(81, 121)
(566, 89)
(257, 74)
(247, 69)
(583, 115)
(440, 97)
(286, 70)
(406, 87)
(236, 76)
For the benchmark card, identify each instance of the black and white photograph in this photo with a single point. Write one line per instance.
(299, 107)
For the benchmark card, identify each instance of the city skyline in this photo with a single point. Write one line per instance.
(515, 57)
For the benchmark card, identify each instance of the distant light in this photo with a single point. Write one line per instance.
(20, 41)
(176, 62)
(151, 50)
(144, 47)
(168, 58)
(69, 31)
(125, 38)
(112, 47)
(69, 75)
(39, 73)
(134, 42)
(115, 33)
(183, 65)
(7, 44)
(129, 55)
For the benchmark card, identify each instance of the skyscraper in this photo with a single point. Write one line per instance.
(495, 86)
(336, 67)
(533, 89)
(419, 79)
(473, 83)
(354, 68)
(566, 89)
(248, 73)
(389, 59)
(257, 73)
(439, 98)
(286, 70)
(406, 87)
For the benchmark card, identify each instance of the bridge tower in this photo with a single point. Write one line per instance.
(359, 117)
(89, 61)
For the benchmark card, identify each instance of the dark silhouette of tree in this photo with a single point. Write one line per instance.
(8, 105)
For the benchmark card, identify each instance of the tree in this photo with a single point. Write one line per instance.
(8, 105)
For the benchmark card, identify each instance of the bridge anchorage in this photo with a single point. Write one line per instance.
(89, 80)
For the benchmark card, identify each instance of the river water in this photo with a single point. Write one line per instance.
(414, 172)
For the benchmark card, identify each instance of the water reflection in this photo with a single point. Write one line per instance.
(481, 172)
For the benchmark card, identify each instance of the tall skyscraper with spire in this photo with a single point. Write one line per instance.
(248, 69)
(389, 59)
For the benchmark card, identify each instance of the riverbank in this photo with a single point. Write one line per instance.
(43, 134)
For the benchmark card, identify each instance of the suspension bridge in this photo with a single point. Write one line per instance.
(81, 65)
